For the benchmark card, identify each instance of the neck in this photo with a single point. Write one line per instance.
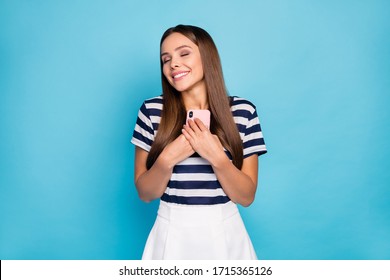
(195, 98)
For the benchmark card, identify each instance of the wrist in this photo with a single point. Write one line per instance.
(220, 160)
(165, 162)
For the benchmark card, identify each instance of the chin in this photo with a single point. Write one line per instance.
(180, 88)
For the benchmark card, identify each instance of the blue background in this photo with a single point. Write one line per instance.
(74, 73)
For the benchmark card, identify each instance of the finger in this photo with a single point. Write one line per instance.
(186, 134)
(194, 126)
(189, 130)
(200, 124)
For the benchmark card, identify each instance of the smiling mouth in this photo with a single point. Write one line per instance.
(179, 75)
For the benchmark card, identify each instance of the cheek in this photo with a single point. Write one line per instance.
(200, 72)
(199, 68)
(166, 73)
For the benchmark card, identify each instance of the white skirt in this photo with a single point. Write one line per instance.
(183, 232)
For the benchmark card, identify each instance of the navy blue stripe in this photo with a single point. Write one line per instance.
(242, 101)
(155, 126)
(140, 137)
(195, 155)
(194, 200)
(242, 113)
(154, 100)
(144, 126)
(190, 185)
(253, 116)
(229, 155)
(180, 169)
(144, 110)
(154, 112)
(254, 142)
(258, 153)
(241, 128)
(252, 129)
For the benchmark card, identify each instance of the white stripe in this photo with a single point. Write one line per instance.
(144, 118)
(155, 119)
(154, 106)
(254, 135)
(195, 192)
(140, 144)
(144, 132)
(236, 98)
(243, 106)
(194, 161)
(253, 149)
(148, 122)
(253, 122)
(193, 177)
(154, 98)
(240, 120)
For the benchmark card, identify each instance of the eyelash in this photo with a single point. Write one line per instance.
(168, 59)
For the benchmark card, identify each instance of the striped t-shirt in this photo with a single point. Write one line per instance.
(193, 181)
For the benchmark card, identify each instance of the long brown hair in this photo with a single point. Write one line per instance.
(173, 115)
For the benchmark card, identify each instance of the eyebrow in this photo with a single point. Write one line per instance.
(178, 48)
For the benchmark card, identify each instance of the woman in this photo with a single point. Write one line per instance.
(200, 174)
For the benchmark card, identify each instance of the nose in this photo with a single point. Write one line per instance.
(174, 63)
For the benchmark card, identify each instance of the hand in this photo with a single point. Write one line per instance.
(177, 151)
(207, 145)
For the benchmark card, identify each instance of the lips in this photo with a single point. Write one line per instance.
(179, 75)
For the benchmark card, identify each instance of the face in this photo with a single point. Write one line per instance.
(182, 64)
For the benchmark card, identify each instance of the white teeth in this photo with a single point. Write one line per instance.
(180, 75)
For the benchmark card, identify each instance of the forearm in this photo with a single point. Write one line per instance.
(152, 184)
(237, 185)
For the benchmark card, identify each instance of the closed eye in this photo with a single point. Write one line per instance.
(165, 60)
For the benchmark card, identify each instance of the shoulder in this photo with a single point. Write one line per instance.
(152, 106)
(156, 101)
(242, 106)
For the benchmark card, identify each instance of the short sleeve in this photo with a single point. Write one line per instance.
(253, 140)
(248, 124)
(143, 135)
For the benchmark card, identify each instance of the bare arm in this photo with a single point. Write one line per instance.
(239, 185)
(152, 183)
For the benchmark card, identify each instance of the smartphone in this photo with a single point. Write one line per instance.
(203, 115)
